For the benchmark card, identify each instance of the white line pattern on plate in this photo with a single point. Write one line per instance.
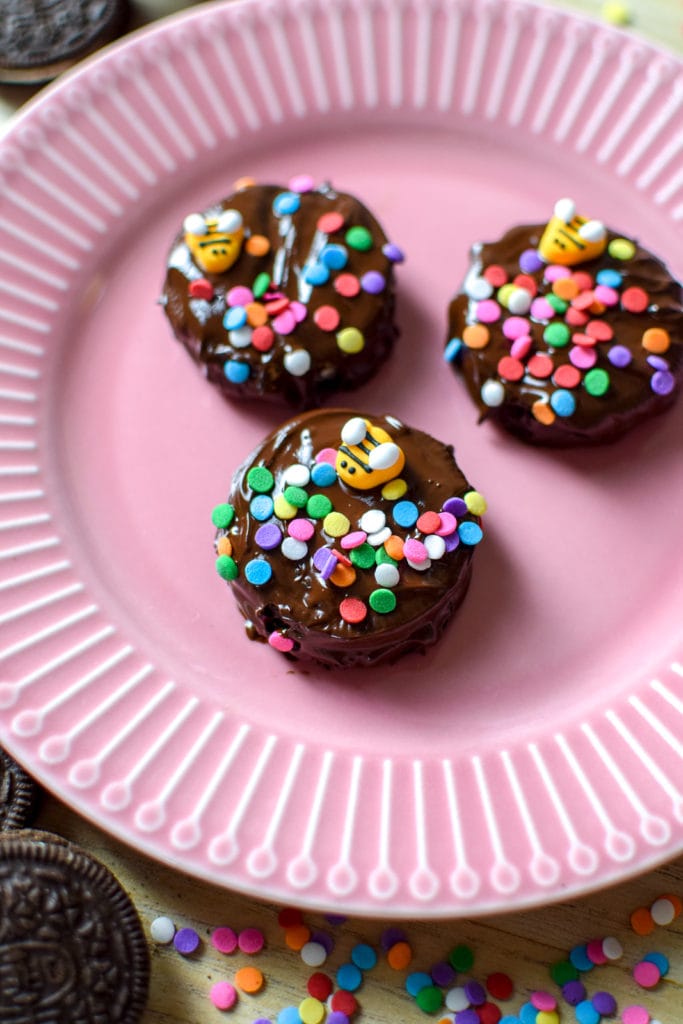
(224, 848)
(504, 876)
(655, 771)
(464, 881)
(423, 882)
(582, 858)
(383, 880)
(302, 870)
(544, 869)
(342, 878)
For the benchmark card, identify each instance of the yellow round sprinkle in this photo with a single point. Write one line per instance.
(394, 489)
(504, 293)
(615, 14)
(621, 249)
(543, 412)
(283, 509)
(336, 524)
(350, 340)
(476, 503)
(312, 1011)
(656, 339)
(547, 1017)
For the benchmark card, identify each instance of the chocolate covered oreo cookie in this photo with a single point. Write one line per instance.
(18, 795)
(72, 949)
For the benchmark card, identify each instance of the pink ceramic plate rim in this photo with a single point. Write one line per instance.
(525, 818)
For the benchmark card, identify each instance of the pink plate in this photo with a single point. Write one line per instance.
(534, 754)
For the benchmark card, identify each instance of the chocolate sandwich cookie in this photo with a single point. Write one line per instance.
(41, 38)
(567, 333)
(18, 795)
(348, 539)
(72, 949)
(283, 294)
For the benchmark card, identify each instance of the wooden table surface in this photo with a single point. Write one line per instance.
(522, 944)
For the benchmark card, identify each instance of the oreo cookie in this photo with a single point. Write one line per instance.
(72, 948)
(18, 795)
(41, 38)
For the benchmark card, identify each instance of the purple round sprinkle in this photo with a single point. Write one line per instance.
(443, 974)
(604, 1003)
(373, 282)
(657, 363)
(530, 261)
(325, 561)
(662, 382)
(393, 253)
(337, 1017)
(186, 941)
(325, 940)
(475, 992)
(469, 1016)
(619, 355)
(268, 537)
(390, 936)
(452, 541)
(456, 507)
(574, 992)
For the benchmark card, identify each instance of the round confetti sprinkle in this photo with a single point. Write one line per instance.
(468, 1016)
(224, 546)
(499, 985)
(293, 549)
(349, 977)
(566, 376)
(226, 567)
(540, 366)
(488, 312)
(236, 371)
(359, 238)
(314, 954)
(461, 958)
(222, 516)
(470, 534)
(373, 282)
(597, 382)
(372, 520)
(249, 979)
(573, 992)
(186, 941)
(621, 249)
(319, 984)
(297, 475)
(262, 338)
(635, 1015)
(595, 952)
(297, 362)
(489, 1013)
(563, 971)
(453, 350)
(336, 524)
(258, 572)
(442, 974)
(334, 256)
(399, 955)
(579, 957)
(316, 274)
(286, 203)
(586, 1013)
(301, 529)
(323, 474)
(429, 999)
(280, 642)
(543, 1000)
(635, 300)
(260, 479)
(619, 356)
(283, 508)
(496, 275)
(347, 285)
(162, 930)
(289, 1015)
(224, 940)
(612, 948)
(557, 335)
(235, 318)
(223, 995)
(660, 960)
(475, 503)
(510, 368)
(604, 1003)
(663, 911)
(296, 936)
(563, 402)
(312, 1011)
(364, 956)
(350, 340)
(416, 981)
(646, 974)
(353, 611)
(530, 261)
(201, 289)
(492, 393)
(475, 993)
(261, 507)
(326, 318)
(330, 223)
(405, 513)
(362, 556)
(382, 601)
(662, 382)
(476, 336)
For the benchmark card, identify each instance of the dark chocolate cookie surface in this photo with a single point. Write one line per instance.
(18, 794)
(72, 950)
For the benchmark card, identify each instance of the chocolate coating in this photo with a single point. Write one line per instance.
(630, 397)
(303, 606)
(18, 794)
(71, 945)
(294, 245)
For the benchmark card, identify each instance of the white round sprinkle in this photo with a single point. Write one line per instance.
(240, 337)
(387, 575)
(612, 948)
(294, 549)
(162, 930)
(313, 954)
(384, 456)
(663, 911)
(436, 546)
(354, 430)
(372, 520)
(478, 288)
(420, 566)
(492, 393)
(456, 999)
(297, 475)
(519, 301)
(297, 362)
(378, 538)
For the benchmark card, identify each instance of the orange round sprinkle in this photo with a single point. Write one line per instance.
(257, 245)
(245, 182)
(297, 936)
(224, 546)
(352, 610)
(565, 288)
(256, 314)
(394, 547)
(675, 901)
(399, 956)
(249, 979)
(597, 308)
(641, 921)
(656, 339)
(343, 575)
(476, 336)
(543, 413)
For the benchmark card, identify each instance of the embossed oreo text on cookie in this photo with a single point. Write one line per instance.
(18, 794)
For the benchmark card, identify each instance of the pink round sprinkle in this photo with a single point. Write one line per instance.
(223, 995)
(448, 524)
(283, 644)
(543, 1001)
(347, 285)
(327, 455)
(635, 1015)
(646, 974)
(240, 296)
(521, 347)
(301, 183)
(415, 551)
(608, 296)
(251, 940)
(285, 322)
(583, 358)
(353, 540)
(488, 311)
(224, 940)
(301, 529)
(554, 272)
(595, 952)
(329, 223)
(542, 310)
(515, 327)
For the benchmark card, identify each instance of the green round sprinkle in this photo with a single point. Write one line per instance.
(596, 382)
(261, 285)
(557, 335)
(260, 479)
(558, 304)
(227, 567)
(384, 601)
(382, 558)
(563, 971)
(222, 516)
(359, 238)
(363, 556)
(461, 958)
(318, 506)
(429, 999)
(296, 496)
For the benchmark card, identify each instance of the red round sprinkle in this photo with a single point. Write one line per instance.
(342, 558)
(600, 330)
(429, 522)
(567, 376)
(201, 289)
(488, 1013)
(344, 1002)
(329, 223)
(510, 368)
(575, 317)
(276, 306)
(496, 275)
(499, 985)
(320, 986)
(327, 318)
(540, 365)
(595, 952)
(584, 340)
(262, 338)
(583, 301)
(347, 285)
(635, 300)
(527, 282)
(353, 610)
(583, 280)
(289, 917)
(251, 940)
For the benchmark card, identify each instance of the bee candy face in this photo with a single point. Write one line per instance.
(367, 457)
(569, 239)
(215, 242)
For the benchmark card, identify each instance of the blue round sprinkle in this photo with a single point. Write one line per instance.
(416, 981)
(660, 960)
(235, 317)
(563, 402)
(334, 256)
(286, 203)
(528, 1013)
(453, 349)
(236, 371)
(290, 1015)
(323, 474)
(258, 571)
(261, 507)
(470, 533)
(405, 513)
(586, 1013)
(349, 977)
(580, 959)
(364, 956)
(509, 1019)
(316, 273)
(608, 277)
